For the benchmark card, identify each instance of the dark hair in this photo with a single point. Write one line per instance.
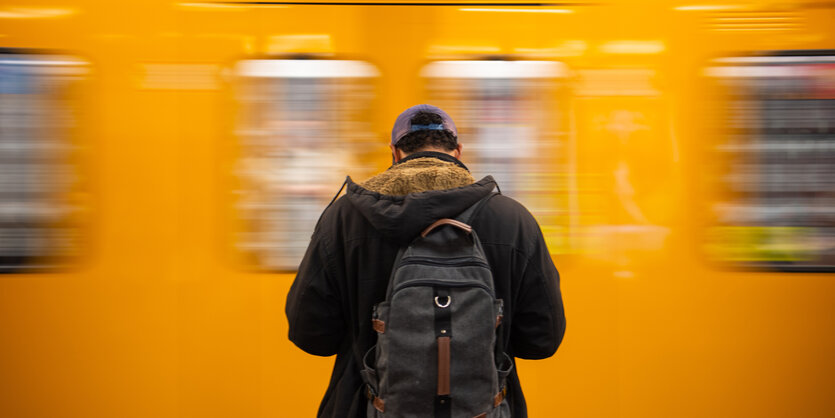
(419, 140)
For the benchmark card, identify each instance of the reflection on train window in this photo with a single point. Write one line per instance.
(42, 197)
(776, 177)
(512, 123)
(303, 126)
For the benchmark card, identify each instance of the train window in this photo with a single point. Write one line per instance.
(512, 124)
(42, 197)
(303, 125)
(775, 181)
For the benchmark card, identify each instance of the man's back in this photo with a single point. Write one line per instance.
(347, 267)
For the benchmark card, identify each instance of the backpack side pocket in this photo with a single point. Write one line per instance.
(369, 376)
(503, 369)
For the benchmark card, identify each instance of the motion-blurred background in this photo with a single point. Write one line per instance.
(163, 163)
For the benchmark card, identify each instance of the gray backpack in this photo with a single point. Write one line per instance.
(437, 352)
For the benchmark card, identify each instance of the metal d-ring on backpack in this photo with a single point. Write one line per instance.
(437, 352)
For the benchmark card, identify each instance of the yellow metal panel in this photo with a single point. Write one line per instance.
(164, 321)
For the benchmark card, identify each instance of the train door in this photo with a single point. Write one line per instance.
(43, 194)
(302, 128)
(774, 184)
(512, 119)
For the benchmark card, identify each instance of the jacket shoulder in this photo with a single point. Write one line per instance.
(336, 210)
(501, 208)
(342, 221)
(503, 220)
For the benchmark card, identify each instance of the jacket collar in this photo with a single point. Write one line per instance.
(402, 217)
(434, 154)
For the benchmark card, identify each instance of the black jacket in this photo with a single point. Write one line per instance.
(347, 266)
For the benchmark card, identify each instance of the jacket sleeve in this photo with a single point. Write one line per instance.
(538, 317)
(313, 304)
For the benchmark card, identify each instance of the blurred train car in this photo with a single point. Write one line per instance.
(162, 165)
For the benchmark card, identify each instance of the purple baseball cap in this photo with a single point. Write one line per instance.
(403, 124)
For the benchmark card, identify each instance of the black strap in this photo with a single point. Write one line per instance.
(443, 316)
(331, 203)
(499, 353)
(470, 213)
(400, 253)
(340, 191)
(443, 330)
(443, 406)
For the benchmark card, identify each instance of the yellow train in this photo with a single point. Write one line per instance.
(162, 164)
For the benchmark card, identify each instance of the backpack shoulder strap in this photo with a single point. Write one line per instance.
(321, 215)
(470, 213)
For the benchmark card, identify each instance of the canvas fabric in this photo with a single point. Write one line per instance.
(441, 288)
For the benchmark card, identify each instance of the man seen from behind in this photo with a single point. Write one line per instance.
(349, 261)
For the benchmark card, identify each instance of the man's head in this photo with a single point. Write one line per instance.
(424, 128)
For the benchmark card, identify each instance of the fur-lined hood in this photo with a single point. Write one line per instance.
(408, 197)
(419, 175)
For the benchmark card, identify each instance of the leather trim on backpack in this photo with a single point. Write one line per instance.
(443, 366)
(446, 221)
(379, 404)
(497, 400)
(378, 325)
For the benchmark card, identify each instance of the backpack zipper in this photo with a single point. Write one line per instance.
(433, 282)
(448, 262)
